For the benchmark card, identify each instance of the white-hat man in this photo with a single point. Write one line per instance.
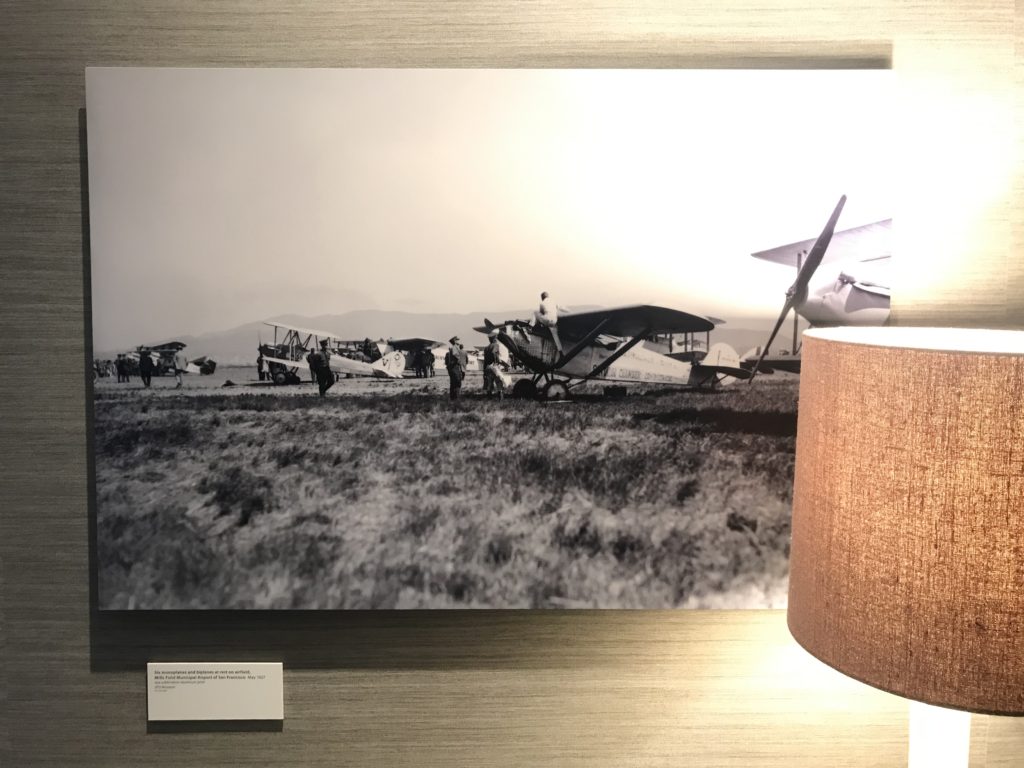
(547, 315)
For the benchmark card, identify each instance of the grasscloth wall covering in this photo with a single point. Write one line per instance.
(483, 688)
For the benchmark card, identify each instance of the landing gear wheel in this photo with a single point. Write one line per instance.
(280, 377)
(524, 389)
(555, 390)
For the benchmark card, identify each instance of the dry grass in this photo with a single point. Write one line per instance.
(400, 501)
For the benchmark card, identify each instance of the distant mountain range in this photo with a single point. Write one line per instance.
(237, 346)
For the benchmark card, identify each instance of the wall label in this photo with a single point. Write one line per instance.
(215, 691)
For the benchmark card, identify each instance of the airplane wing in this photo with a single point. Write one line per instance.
(287, 363)
(868, 242)
(169, 346)
(303, 331)
(408, 345)
(632, 321)
(772, 363)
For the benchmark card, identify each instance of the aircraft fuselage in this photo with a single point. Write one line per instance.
(842, 303)
(637, 365)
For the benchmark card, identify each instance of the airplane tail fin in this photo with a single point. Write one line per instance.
(722, 361)
(390, 366)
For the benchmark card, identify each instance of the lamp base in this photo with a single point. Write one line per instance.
(939, 737)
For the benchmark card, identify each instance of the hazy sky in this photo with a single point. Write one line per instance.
(222, 196)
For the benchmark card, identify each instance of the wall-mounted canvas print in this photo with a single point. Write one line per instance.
(376, 339)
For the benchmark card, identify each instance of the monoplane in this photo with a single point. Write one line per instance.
(606, 345)
(855, 292)
(288, 353)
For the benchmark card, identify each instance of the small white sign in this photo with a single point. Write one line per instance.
(215, 691)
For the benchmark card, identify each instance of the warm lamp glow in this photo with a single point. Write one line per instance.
(907, 562)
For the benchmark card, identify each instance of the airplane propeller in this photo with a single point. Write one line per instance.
(797, 292)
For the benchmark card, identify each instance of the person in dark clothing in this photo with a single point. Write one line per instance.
(370, 351)
(261, 367)
(453, 361)
(321, 367)
(145, 367)
(119, 367)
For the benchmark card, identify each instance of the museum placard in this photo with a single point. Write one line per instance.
(215, 691)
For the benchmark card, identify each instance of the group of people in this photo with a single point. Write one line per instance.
(103, 368)
(320, 367)
(124, 369)
(124, 366)
(423, 363)
(456, 360)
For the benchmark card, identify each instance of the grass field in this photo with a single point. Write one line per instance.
(395, 499)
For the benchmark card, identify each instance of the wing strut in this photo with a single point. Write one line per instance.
(617, 354)
(581, 345)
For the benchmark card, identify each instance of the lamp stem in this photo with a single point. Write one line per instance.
(939, 737)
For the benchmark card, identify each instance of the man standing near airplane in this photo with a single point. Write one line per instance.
(453, 361)
(145, 367)
(324, 374)
(492, 359)
(180, 366)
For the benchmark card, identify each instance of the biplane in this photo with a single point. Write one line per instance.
(286, 356)
(855, 292)
(163, 359)
(606, 345)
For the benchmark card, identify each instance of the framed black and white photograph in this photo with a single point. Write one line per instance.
(413, 338)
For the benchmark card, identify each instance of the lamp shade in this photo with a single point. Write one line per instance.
(907, 560)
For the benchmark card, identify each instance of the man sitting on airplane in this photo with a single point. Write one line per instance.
(547, 315)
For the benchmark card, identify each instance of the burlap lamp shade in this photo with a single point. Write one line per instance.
(907, 562)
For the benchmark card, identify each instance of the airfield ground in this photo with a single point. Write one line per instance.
(383, 495)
